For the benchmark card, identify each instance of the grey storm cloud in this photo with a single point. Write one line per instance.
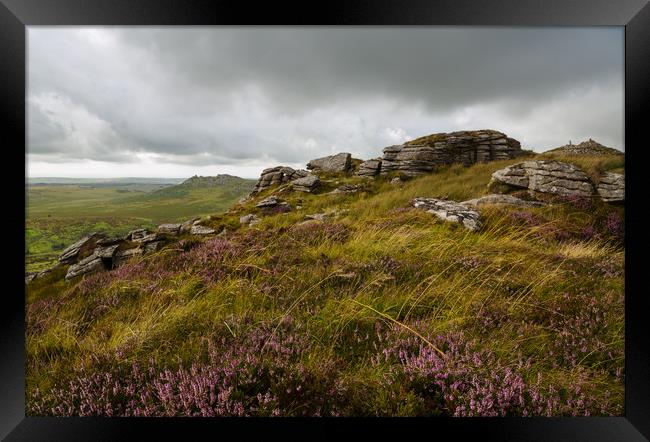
(260, 95)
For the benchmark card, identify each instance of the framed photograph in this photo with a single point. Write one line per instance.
(402, 217)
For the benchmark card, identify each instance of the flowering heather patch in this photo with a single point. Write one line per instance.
(578, 201)
(580, 330)
(471, 381)
(615, 226)
(259, 375)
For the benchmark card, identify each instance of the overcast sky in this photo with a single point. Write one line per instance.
(174, 102)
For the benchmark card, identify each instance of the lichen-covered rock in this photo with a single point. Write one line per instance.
(201, 230)
(370, 168)
(347, 188)
(169, 229)
(500, 199)
(106, 252)
(186, 227)
(84, 245)
(137, 234)
(307, 184)
(553, 177)
(611, 187)
(341, 162)
(452, 211)
(425, 154)
(88, 265)
(271, 201)
(277, 175)
(110, 241)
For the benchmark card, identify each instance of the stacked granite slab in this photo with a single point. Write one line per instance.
(277, 175)
(424, 154)
(369, 168)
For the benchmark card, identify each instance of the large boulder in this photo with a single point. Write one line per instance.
(341, 162)
(425, 154)
(84, 245)
(369, 168)
(452, 211)
(307, 184)
(277, 175)
(552, 177)
(611, 187)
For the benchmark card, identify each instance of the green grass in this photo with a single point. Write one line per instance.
(520, 287)
(58, 215)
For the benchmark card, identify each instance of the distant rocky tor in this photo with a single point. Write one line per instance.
(589, 147)
(420, 156)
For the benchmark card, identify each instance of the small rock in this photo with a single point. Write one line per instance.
(317, 216)
(499, 199)
(202, 230)
(347, 188)
(396, 181)
(449, 211)
(307, 184)
(250, 219)
(271, 201)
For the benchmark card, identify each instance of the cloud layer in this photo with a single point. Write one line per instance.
(178, 101)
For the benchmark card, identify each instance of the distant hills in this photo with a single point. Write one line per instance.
(103, 181)
(227, 184)
(211, 181)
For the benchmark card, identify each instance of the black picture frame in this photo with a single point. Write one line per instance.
(634, 15)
